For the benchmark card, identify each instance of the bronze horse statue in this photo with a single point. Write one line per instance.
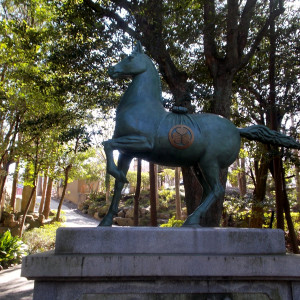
(144, 129)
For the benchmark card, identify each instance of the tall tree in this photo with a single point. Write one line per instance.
(153, 195)
(78, 141)
(137, 192)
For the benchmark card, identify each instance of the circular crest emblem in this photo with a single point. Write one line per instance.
(181, 136)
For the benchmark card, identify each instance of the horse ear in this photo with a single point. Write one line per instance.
(138, 48)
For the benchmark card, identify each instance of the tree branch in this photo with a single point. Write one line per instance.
(260, 36)
(232, 32)
(104, 12)
(243, 28)
(210, 48)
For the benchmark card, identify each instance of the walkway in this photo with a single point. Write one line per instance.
(15, 287)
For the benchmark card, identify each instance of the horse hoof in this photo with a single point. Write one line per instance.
(191, 222)
(105, 222)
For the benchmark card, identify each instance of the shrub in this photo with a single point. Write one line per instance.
(166, 198)
(41, 239)
(166, 194)
(173, 223)
(12, 249)
(97, 197)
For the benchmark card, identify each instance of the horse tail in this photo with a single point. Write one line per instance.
(267, 136)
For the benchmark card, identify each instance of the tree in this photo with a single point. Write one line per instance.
(177, 195)
(34, 174)
(153, 195)
(45, 178)
(274, 87)
(35, 107)
(78, 141)
(23, 77)
(137, 193)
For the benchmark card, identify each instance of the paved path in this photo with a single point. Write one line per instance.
(75, 218)
(15, 287)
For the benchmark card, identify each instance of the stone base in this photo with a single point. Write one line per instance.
(164, 263)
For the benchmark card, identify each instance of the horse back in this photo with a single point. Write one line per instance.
(186, 139)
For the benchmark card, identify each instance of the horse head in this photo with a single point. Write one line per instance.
(132, 65)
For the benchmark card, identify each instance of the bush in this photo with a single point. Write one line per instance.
(41, 239)
(12, 249)
(167, 195)
(97, 197)
(173, 223)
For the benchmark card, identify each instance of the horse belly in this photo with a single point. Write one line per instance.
(222, 140)
(177, 142)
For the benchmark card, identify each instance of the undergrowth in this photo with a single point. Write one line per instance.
(41, 239)
(12, 249)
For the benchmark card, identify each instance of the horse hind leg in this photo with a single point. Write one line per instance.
(123, 165)
(214, 190)
(205, 187)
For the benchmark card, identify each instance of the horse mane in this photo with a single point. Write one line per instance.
(157, 77)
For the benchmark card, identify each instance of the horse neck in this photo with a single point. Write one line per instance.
(144, 90)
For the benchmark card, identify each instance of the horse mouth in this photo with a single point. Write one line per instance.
(115, 75)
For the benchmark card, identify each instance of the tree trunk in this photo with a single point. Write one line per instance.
(107, 187)
(14, 186)
(279, 192)
(259, 193)
(39, 187)
(43, 195)
(46, 210)
(287, 210)
(2, 195)
(156, 185)
(137, 193)
(221, 102)
(4, 171)
(67, 171)
(274, 122)
(2, 202)
(26, 210)
(153, 211)
(242, 176)
(297, 175)
(177, 196)
(27, 189)
(235, 166)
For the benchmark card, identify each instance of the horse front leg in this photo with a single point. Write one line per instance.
(131, 144)
(215, 191)
(111, 167)
(123, 165)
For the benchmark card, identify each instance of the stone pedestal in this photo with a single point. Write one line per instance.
(165, 263)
